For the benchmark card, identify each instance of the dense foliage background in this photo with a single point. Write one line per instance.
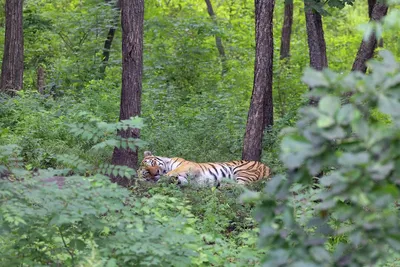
(191, 110)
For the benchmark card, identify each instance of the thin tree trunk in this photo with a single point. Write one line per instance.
(12, 69)
(132, 15)
(286, 30)
(316, 42)
(367, 47)
(109, 40)
(40, 80)
(260, 113)
(106, 50)
(218, 41)
(371, 4)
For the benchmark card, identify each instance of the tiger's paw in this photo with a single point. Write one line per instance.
(179, 181)
(182, 181)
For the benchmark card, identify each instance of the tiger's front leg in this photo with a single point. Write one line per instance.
(180, 176)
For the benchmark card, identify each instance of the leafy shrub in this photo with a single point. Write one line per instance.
(45, 224)
(52, 217)
(355, 221)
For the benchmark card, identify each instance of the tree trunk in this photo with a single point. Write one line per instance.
(132, 12)
(260, 113)
(40, 83)
(218, 41)
(106, 50)
(371, 4)
(316, 40)
(287, 30)
(12, 69)
(367, 47)
(108, 41)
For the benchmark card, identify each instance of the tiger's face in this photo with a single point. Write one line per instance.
(151, 167)
(149, 173)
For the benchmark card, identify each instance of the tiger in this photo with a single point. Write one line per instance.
(240, 171)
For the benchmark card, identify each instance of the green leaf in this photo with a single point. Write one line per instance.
(124, 144)
(389, 61)
(274, 184)
(394, 243)
(329, 104)
(379, 171)
(368, 29)
(390, 106)
(77, 244)
(334, 133)
(111, 263)
(361, 128)
(249, 196)
(314, 78)
(389, 189)
(325, 121)
(345, 114)
(351, 159)
(304, 264)
(320, 254)
(392, 82)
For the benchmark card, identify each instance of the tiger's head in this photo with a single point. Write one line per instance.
(151, 167)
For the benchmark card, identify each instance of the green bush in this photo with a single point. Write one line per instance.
(354, 221)
(44, 224)
(49, 216)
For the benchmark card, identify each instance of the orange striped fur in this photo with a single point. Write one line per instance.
(240, 171)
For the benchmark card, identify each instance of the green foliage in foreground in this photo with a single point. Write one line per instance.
(93, 222)
(355, 220)
(75, 216)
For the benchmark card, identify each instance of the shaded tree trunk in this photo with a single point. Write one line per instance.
(367, 47)
(40, 83)
(371, 4)
(218, 41)
(286, 29)
(132, 12)
(366, 50)
(12, 69)
(109, 40)
(260, 113)
(316, 41)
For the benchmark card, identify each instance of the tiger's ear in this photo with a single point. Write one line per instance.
(148, 153)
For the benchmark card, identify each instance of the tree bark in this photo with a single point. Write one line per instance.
(132, 16)
(218, 41)
(316, 39)
(260, 113)
(40, 83)
(371, 4)
(367, 47)
(109, 40)
(12, 69)
(286, 30)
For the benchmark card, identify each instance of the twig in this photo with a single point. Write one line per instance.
(66, 247)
